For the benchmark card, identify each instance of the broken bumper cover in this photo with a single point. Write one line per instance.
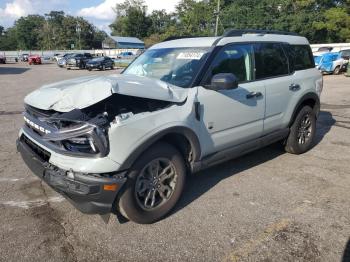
(85, 191)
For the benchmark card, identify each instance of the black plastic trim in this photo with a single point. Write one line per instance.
(185, 131)
(240, 32)
(239, 150)
(305, 97)
(84, 191)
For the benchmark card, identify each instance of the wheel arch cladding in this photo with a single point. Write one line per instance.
(182, 138)
(309, 99)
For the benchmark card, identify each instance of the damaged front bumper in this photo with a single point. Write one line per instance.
(89, 192)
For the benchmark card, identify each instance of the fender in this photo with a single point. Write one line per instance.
(181, 130)
(305, 97)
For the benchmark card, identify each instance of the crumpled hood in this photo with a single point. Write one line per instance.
(82, 92)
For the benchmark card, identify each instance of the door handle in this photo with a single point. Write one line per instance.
(253, 94)
(294, 87)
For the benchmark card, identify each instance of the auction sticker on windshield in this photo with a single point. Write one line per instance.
(190, 55)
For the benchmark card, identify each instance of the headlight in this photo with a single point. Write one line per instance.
(81, 138)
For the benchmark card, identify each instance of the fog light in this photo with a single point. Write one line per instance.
(112, 187)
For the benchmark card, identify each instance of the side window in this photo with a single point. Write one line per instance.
(302, 56)
(270, 60)
(235, 59)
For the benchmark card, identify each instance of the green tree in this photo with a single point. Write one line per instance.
(28, 30)
(131, 19)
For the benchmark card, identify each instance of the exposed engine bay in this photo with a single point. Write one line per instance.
(85, 131)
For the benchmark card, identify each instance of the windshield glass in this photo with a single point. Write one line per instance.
(317, 59)
(97, 59)
(176, 66)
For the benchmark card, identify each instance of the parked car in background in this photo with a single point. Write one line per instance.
(125, 55)
(325, 49)
(24, 57)
(2, 59)
(34, 60)
(61, 62)
(101, 63)
(56, 57)
(330, 63)
(345, 54)
(78, 61)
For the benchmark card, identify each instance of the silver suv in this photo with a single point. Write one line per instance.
(124, 143)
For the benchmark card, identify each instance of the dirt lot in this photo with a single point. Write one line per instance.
(266, 206)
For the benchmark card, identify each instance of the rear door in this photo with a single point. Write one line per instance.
(272, 69)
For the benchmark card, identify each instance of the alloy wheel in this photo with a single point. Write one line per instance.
(305, 129)
(155, 184)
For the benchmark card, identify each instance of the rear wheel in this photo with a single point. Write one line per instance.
(302, 132)
(154, 184)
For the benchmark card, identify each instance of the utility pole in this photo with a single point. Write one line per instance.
(78, 29)
(217, 18)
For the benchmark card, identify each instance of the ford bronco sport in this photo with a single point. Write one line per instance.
(124, 143)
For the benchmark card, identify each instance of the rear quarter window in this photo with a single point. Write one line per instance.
(301, 57)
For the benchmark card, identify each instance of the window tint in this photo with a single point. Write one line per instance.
(302, 57)
(270, 60)
(235, 59)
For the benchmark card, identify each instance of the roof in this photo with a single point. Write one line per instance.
(122, 39)
(220, 41)
(291, 39)
(187, 42)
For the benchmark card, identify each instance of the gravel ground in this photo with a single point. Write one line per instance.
(265, 206)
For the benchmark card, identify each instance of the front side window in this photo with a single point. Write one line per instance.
(270, 60)
(236, 59)
(177, 66)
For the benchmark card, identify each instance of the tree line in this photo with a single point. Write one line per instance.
(321, 21)
(53, 31)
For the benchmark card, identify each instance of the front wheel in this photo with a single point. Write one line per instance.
(302, 132)
(154, 184)
(336, 71)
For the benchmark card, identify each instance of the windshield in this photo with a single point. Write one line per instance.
(97, 59)
(317, 59)
(176, 66)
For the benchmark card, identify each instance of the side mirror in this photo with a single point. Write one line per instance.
(224, 81)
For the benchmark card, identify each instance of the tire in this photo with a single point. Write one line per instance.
(112, 67)
(134, 195)
(336, 71)
(302, 132)
(89, 69)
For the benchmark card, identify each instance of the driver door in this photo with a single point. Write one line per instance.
(235, 116)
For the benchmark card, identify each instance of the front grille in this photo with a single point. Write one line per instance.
(40, 152)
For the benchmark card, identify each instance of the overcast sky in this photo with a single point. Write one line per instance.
(99, 12)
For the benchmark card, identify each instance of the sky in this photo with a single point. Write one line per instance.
(99, 12)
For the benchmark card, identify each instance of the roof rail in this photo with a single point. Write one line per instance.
(240, 32)
(178, 37)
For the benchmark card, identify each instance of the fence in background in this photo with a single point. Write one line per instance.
(336, 46)
(50, 53)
